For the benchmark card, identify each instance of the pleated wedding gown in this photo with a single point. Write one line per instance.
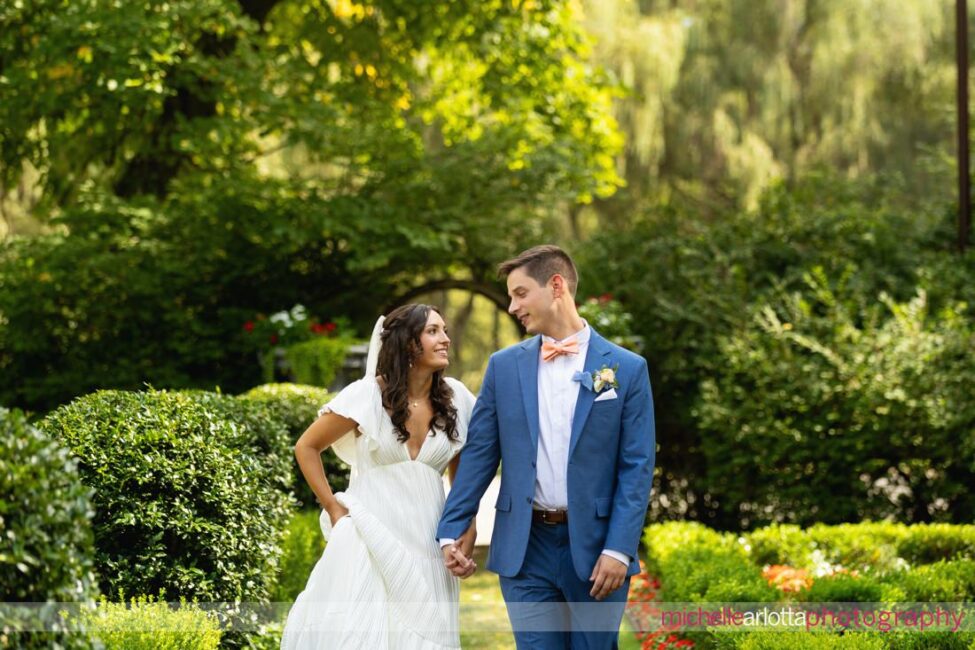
(381, 581)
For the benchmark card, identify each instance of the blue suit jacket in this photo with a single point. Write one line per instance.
(611, 458)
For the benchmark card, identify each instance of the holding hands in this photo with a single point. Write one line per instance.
(458, 556)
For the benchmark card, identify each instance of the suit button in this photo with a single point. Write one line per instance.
(528, 499)
(533, 464)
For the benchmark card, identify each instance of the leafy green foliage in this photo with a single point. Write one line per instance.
(698, 563)
(303, 546)
(191, 491)
(851, 265)
(724, 99)
(205, 161)
(318, 361)
(145, 623)
(947, 581)
(296, 406)
(799, 641)
(46, 514)
(47, 552)
(809, 390)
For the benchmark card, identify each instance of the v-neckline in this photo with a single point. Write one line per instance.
(406, 443)
(406, 446)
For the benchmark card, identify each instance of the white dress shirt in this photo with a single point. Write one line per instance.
(557, 397)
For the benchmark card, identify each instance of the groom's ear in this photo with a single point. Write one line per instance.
(558, 285)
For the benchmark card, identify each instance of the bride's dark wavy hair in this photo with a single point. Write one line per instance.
(401, 345)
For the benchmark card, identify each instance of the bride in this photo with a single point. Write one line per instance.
(381, 581)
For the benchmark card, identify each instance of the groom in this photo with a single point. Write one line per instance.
(569, 416)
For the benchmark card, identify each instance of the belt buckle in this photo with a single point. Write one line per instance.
(549, 513)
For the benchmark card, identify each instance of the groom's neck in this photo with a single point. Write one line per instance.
(565, 326)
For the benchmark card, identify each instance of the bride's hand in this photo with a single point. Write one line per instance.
(336, 512)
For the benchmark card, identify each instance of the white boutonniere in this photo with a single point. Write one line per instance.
(598, 380)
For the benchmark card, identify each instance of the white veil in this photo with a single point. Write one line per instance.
(344, 447)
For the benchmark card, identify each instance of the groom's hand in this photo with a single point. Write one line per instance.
(457, 563)
(467, 540)
(607, 576)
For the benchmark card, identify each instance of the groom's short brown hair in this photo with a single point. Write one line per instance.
(541, 263)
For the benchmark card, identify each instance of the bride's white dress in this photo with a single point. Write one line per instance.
(381, 581)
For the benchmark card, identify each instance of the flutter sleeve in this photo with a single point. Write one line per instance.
(464, 403)
(358, 401)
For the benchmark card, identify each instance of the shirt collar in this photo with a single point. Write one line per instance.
(582, 336)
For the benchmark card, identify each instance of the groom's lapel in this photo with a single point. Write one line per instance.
(595, 358)
(528, 375)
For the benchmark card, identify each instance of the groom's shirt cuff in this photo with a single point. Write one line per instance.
(446, 541)
(616, 555)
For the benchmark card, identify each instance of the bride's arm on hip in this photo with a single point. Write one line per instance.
(322, 433)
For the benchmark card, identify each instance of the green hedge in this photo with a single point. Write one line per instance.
(846, 563)
(296, 406)
(303, 546)
(848, 641)
(46, 543)
(190, 490)
(867, 546)
(145, 623)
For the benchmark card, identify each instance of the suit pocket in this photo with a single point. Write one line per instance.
(604, 505)
(504, 503)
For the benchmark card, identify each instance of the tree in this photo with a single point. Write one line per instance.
(727, 96)
(205, 160)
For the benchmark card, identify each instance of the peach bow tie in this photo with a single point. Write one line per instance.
(553, 349)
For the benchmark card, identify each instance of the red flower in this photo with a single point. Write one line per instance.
(274, 338)
(249, 326)
(317, 328)
(606, 297)
(330, 326)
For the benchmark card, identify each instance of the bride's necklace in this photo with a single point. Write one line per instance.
(415, 402)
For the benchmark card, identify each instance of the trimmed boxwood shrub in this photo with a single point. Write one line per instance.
(257, 430)
(866, 546)
(706, 574)
(662, 540)
(296, 406)
(697, 564)
(843, 588)
(798, 641)
(190, 497)
(850, 641)
(927, 543)
(947, 581)
(46, 514)
(46, 544)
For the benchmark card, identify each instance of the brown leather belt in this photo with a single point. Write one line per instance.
(550, 517)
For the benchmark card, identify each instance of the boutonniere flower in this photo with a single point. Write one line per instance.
(598, 380)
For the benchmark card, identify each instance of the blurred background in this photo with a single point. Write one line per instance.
(761, 196)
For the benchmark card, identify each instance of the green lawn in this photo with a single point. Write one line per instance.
(482, 608)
